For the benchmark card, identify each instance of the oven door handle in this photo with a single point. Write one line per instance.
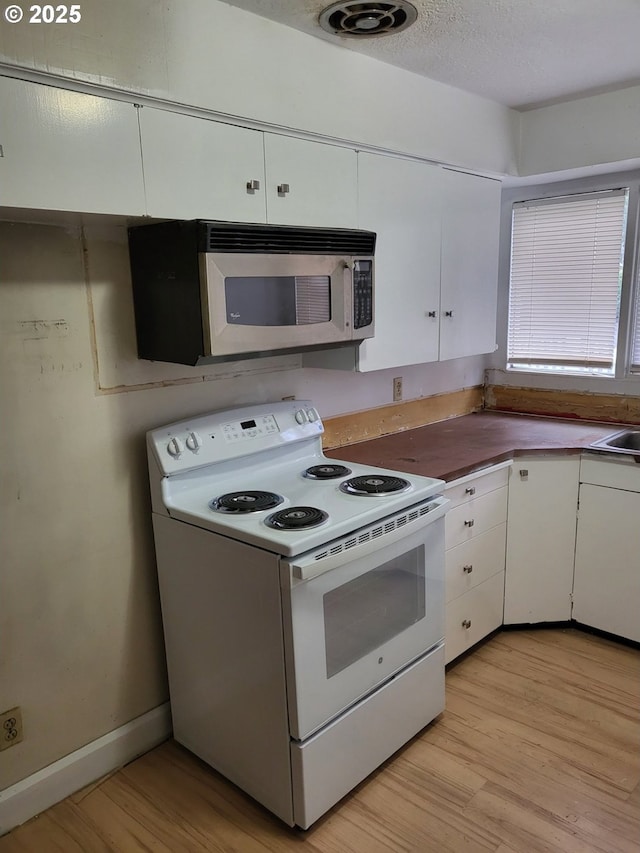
(368, 540)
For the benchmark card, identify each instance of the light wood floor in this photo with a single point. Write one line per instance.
(538, 750)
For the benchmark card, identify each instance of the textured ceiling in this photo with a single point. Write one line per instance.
(518, 52)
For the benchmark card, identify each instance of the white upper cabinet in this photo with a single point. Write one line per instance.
(200, 169)
(65, 150)
(195, 168)
(310, 183)
(436, 261)
(400, 201)
(469, 275)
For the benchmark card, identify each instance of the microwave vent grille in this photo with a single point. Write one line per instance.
(281, 239)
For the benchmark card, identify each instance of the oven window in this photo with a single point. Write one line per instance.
(365, 613)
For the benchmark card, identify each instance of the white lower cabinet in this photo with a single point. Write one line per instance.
(606, 592)
(473, 615)
(475, 557)
(521, 548)
(543, 497)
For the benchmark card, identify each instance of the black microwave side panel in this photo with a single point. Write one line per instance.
(166, 291)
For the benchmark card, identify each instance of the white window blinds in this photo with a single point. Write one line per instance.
(566, 273)
(635, 331)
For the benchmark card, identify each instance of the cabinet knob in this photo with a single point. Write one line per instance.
(283, 189)
(470, 490)
(448, 313)
(432, 313)
(467, 569)
(466, 623)
(252, 186)
(469, 522)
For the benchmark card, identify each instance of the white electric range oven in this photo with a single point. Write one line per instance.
(302, 602)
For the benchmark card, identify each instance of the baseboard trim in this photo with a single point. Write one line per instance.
(48, 786)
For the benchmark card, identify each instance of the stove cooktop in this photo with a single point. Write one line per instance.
(202, 500)
(259, 475)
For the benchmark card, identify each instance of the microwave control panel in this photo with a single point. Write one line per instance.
(362, 293)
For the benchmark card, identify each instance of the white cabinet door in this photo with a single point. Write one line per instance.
(400, 201)
(199, 169)
(475, 534)
(65, 150)
(541, 529)
(469, 278)
(473, 615)
(310, 183)
(606, 592)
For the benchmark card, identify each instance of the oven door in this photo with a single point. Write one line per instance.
(351, 628)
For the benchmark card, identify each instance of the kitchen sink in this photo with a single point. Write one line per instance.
(626, 441)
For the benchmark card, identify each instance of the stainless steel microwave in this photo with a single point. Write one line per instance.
(218, 291)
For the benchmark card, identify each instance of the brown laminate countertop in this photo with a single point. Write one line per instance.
(450, 449)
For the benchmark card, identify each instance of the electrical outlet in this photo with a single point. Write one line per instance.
(397, 389)
(10, 728)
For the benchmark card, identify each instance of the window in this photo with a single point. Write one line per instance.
(566, 277)
(635, 339)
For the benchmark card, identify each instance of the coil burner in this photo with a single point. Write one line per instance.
(374, 484)
(297, 518)
(241, 502)
(327, 472)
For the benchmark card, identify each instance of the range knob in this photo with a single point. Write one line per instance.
(194, 442)
(301, 416)
(175, 447)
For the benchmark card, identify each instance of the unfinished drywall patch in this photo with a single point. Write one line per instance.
(112, 323)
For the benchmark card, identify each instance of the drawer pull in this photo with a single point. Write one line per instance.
(467, 569)
(469, 522)
(466, 623)
(470, 490)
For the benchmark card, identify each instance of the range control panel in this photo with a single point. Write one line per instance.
(220, 436)
(250, 428)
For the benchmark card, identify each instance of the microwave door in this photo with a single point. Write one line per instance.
(262, 303)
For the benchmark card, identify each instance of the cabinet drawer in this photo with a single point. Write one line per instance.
(472, 562)
(475, 485)
(473, 615)
(475, 516)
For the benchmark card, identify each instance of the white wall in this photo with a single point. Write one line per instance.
(587, 132)
(207, 54)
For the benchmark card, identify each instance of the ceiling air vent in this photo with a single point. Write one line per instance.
(357, 20)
